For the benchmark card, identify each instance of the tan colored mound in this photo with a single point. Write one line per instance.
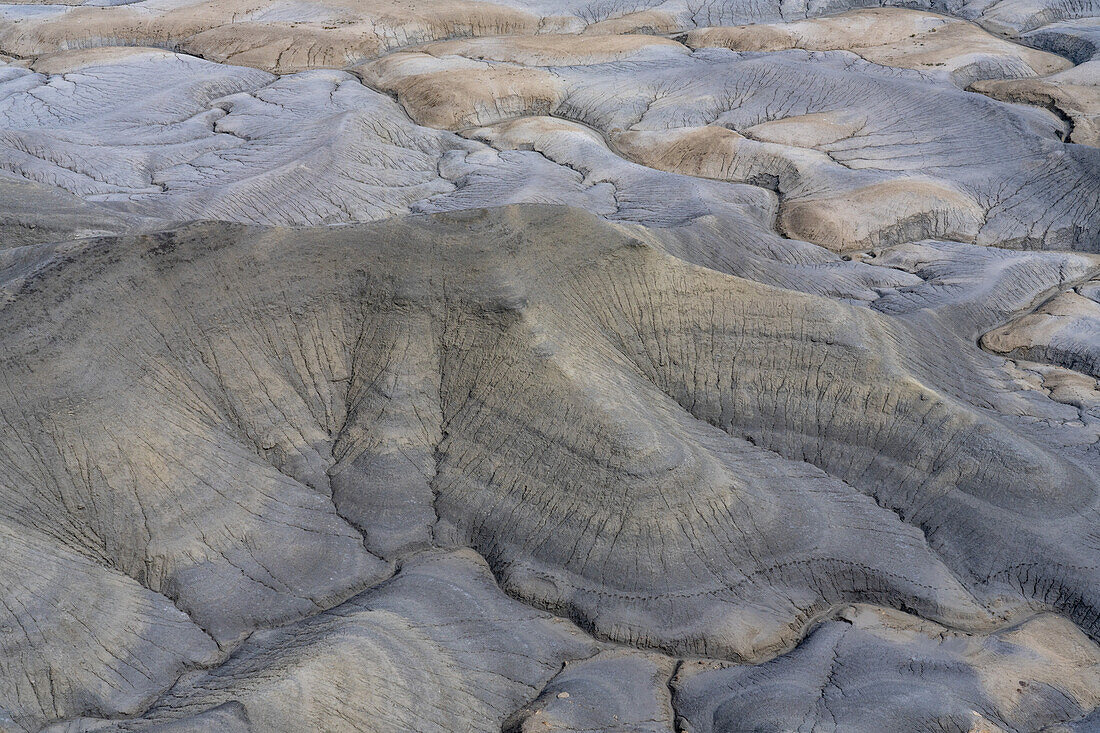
(554, 49)
(892, 37)
(1064, 331)
(64, 62)
(277, 37)
(643, 21)
(875, 215)
(455, 93)
(883, 214)
(528, 133)
(1081, 104)
(285, 48)
(709, 152)
(809, 131)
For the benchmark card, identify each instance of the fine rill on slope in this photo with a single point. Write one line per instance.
(264, 422)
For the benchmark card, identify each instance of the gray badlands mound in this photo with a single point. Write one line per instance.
(264, 423)
(533, 365)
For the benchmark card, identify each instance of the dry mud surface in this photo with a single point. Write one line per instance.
(550, 365)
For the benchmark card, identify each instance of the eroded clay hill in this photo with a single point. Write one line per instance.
(266, 422)
(549, 366)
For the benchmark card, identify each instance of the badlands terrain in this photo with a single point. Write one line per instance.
(550, 365)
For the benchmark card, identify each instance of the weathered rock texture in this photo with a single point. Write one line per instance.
(549, 366)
